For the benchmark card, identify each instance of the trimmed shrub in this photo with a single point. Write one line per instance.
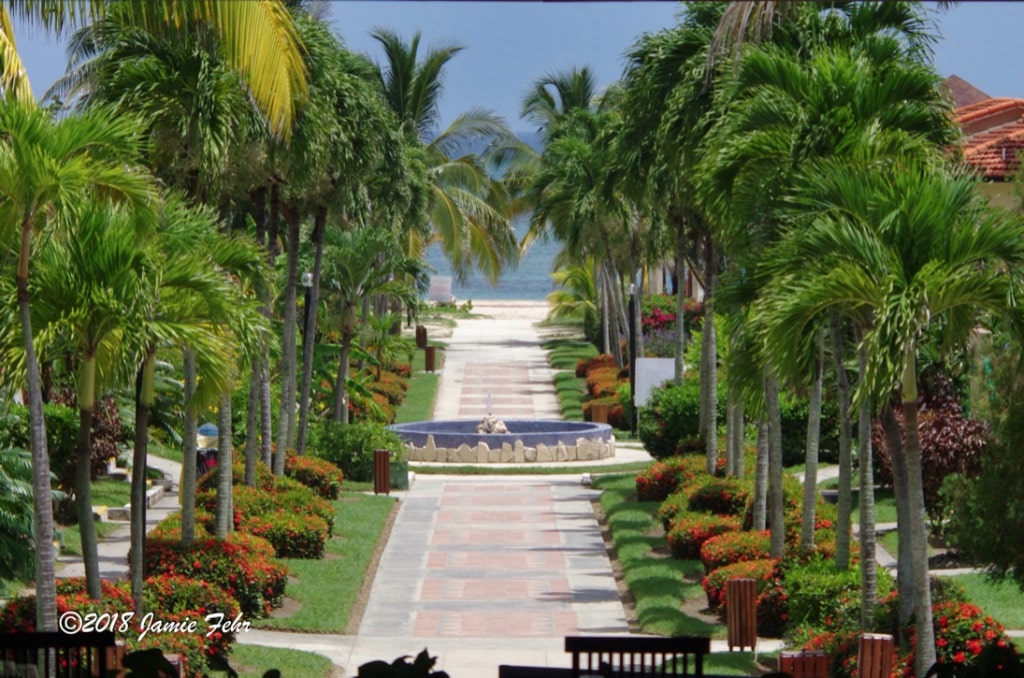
(584, 365)
(691, 530)
(603, 382)
(714, 582)
(670, 419)
(264, 478)
(661, 479)
(177, 595)
(724, 496)
(293, 535)
(674, 506)
(772, 610)
(794, 411)
(239, 564)
(734, 547)
(350, 447)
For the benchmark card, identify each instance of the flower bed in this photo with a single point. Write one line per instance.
(691, 530)
(734, 547)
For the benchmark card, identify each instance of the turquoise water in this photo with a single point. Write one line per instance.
(530, 281)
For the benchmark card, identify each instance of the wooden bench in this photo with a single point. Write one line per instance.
(807, 664)
(510, 671)
(629, 656)
(874, 656)
(59, 654)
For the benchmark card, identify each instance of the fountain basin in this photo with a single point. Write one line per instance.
(528, 441)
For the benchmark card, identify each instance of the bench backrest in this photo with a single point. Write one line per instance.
(874, 657)
(807, 664)
(56, 653)
(622, 656)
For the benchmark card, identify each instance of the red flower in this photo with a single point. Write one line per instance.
(974, 646)
(959, 658)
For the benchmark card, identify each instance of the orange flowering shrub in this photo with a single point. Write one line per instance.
(691, 530)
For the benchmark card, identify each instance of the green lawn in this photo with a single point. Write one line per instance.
(326, 588)
(419, 399)
(110, 492)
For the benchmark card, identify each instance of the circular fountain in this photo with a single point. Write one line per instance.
(526, 441)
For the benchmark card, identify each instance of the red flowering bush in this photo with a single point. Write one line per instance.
(714, 582)
(240, 565)
(294, 535)
(691, 530)
(320, 475)
(840, 646)
(724, 496)
(662, 478)
(392, 391)
(115, 612)
(734, 547)
(962, 633)
(176, 595)
(658, 319)
(673, 506)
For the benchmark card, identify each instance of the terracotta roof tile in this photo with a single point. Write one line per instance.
(994, 131)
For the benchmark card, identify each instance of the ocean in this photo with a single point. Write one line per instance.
(531, 280)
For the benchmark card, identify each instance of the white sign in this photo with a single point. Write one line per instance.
(651, 373)
(440, 289)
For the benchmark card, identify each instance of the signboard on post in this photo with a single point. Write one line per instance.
(440, 289)
(651, 373)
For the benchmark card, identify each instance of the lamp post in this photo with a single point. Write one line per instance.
(632, 358)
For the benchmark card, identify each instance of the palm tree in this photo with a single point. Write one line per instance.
(258, 40)
(88, 290)
(909, 244)
(468, 210)
(362, 262)
(666, 111)
(47, 168)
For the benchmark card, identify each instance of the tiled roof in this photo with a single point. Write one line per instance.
(962, 92)
(994, 131)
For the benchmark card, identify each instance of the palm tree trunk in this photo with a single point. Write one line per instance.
(143, 404)
(868, 563)
(42, 528)
(252, 419)
(602, 306)
(83, 478)
(188, 448)
(736, 426)
(309, 336)
(709, 363)
(845, 503)
(611, 314)
(925, 654)
(286, 420)
(680, 272)
(266, 417)
(224, 514)
(904, 569)
(761, 478)
(776, 501)
(811, 456)
(340, 412)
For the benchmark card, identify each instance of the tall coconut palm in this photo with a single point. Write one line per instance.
(47, 168)
(468, 210)
(909, 244)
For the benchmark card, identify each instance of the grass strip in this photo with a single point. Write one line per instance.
(252, 661)
(659, 583)
(418, 404)
(326, 589)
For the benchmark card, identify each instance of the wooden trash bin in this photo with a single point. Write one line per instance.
(599, 413)
(806, 664)
(741, 613)
(421, 336)
(381, 472)
(429, 358)
(874, 656)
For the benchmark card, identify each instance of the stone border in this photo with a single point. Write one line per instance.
(512, 453)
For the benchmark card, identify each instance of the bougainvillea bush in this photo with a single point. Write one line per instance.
(734, 547)
(691, 530)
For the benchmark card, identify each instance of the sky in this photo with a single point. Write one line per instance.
(509, 45)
